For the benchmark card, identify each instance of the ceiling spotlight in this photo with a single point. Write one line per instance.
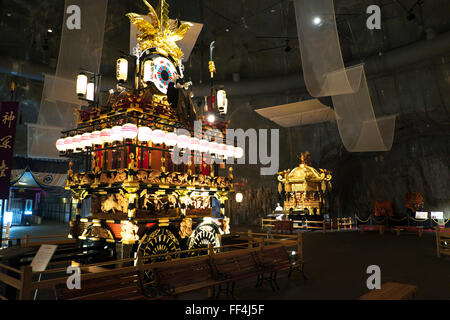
(49, 30)
(9, 14)
(227, 29)
(317, 21)
(273, 10)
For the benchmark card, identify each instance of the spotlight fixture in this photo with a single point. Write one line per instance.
(211, 118)
(317, 21)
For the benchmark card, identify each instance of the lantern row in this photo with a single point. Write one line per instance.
(130, 131)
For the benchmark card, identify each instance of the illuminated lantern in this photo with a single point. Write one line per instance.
(222, 149)
(86, 140)
(194, 144)
(171, 139)
(122, 70)
(222, 101)
(129, 131)
(239, 153)
(82, 81)
(204, 146)
(239, 197)
(105, 135)
(76, 141)
(144, 134)
(60, 145)
(183, 141)
(68, 143)
(90, 92)
(230, 151)
(116, 133)
(147, 71)
(211, 118)
(158, 136)
(213, 147)
(96, 139)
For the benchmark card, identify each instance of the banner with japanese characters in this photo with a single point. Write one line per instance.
(8, 119)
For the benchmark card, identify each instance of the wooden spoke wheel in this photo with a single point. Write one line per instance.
(157, 241)
(203, 236)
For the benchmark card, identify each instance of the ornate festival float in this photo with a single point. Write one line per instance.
(303, 192)
(140, 198)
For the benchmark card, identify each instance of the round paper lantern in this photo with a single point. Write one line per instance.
(76, 141)
(60, 146)
(105, 135)
(116, 133)
(158, 136)
(239, 153)
(194, 144)
(171, 139)
(183, 141)
(213, 147)
(68, 143)
(222, 149)
(129, 131)
(86, 140)
(96, 139)
(239, 197)
(144, 134)
(204, 146)
(230, 151)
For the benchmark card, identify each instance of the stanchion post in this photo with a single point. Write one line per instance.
(300, 245)
(26, 241)
(250, 239)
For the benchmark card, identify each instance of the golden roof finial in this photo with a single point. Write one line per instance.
(161, 33)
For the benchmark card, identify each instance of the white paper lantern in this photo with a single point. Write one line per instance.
(116, 133)
(105, 135)
(76, 141)
(183, 141)
(222, 149)
(239, 153)
(96, 139)
(204, 146)
(194, 144)
(82, 82)
(68, 143)
(144, 134)
(158, 136)
(213, 147)
(239, 197)
(90, 91)
(171, 139)
(230, 151)
(60, 146)
(122, 70)
(148, 71)
(86, 140)
(129, 131)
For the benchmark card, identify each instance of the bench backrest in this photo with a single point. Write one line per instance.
(99, 288)
(275, 255)
(183, 273)
(235, 263)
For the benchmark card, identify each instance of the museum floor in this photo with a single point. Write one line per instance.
(336, 262)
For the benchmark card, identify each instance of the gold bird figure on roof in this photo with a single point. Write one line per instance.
(161, 32)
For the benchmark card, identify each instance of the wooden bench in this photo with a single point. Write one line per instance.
(391, 291)
(274, 259)
(187, 275)
(380, 228)
(232, 266)
(125, 286)
(398, 229)
(443, 241)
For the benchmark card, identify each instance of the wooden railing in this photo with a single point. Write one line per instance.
(28, 241)
(23, 280)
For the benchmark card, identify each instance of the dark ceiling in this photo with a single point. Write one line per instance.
(251, 35)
